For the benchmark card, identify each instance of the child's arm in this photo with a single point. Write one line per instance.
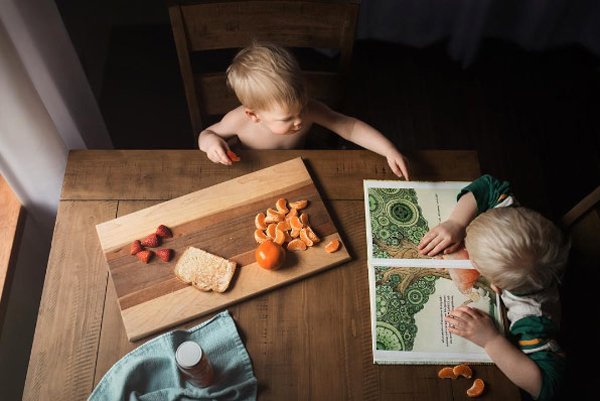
(477, 326)
(449, 234)
(213, 140)
(361, 134)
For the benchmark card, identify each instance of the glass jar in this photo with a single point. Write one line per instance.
(194, 364)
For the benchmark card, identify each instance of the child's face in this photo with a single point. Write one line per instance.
(281, 121)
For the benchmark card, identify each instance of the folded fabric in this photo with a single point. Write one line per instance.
(149, 372)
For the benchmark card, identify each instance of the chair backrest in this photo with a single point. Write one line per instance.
(205, 27)
(578, 293)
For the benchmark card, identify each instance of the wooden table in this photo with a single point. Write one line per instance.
(310, 340)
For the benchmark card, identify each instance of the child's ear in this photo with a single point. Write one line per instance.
(251, 115)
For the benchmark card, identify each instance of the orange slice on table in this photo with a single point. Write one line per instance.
(260, 236)
(296, 223)
(301, 204)
(463, 370)
(279, 237)
(476, 389)
(293, 212)
(284, 226)
(281, 205)
(333, 246)
(273, 216)
(259, 221)
(296, 245)
(271, 228)
(311, 234)
(446, 373)
(294, 232)
(304, 238)
(304, 218)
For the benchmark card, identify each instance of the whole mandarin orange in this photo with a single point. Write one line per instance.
(270, 255)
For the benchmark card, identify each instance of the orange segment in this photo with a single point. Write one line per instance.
(260, 236)
(311, 234)
(296, 245)
(463, 370)
(288, 237)
(301, 204)
(294, 233)
(293, 212)
(476, 389)
(279, 237)
(271, 230)
(304, 237)
(284, 226)
(333, 246)
(282, 205)
(304, 218)
(446, 373)
(273, 216)
(232, 156)
(259, 221)
(296, 223)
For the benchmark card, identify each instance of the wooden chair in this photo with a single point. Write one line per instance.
(207, 29)
(578, 293)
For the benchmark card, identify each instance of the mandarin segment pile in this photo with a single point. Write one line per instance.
(286, 225)
(465, 371)
(152, 241)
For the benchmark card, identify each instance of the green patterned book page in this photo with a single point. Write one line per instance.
(399, 213)
(410, 304)
(410, 293)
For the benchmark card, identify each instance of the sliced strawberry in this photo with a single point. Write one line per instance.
(232, 156)
(164, 231)
(165, 254)
(145, 255)
(152, 241)
(136, 246)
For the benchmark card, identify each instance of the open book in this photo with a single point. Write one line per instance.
(410, 293)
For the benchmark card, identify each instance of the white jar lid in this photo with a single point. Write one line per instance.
(188, 354)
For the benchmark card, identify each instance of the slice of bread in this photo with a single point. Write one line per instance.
(205, 271)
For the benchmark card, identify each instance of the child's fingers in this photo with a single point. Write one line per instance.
(438, 248)
(432, 244)
(426, 239)
(453, 248)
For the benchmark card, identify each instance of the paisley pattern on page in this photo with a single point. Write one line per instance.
(397, 223)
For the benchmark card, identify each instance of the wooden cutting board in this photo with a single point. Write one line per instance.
(220, 220)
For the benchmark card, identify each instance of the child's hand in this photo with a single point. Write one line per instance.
(472, 324)
(446, 237)
(398, 164)
(216, 149)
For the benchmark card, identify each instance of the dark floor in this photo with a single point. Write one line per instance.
(534, 118)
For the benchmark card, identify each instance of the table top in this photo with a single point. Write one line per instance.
(310, 340)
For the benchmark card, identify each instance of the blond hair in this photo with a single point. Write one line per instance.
(517, 249)
(265, 76)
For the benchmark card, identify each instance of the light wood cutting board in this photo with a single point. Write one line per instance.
(220, 220)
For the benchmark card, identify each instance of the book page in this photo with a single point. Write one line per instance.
(410, 294)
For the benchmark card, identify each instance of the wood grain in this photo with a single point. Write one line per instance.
(310, 339)
(220, 220)
(64, 350)
(11, 216)
(167, 174)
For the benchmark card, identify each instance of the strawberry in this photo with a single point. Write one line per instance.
(145, 255)
(152, 241)
(136, 246)
(164, 231)
(165, 254)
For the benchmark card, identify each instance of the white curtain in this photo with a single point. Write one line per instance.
(532, 24)
(46, 109)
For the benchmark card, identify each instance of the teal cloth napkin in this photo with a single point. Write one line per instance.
(149, 372)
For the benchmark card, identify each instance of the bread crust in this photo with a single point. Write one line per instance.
(205, 271)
